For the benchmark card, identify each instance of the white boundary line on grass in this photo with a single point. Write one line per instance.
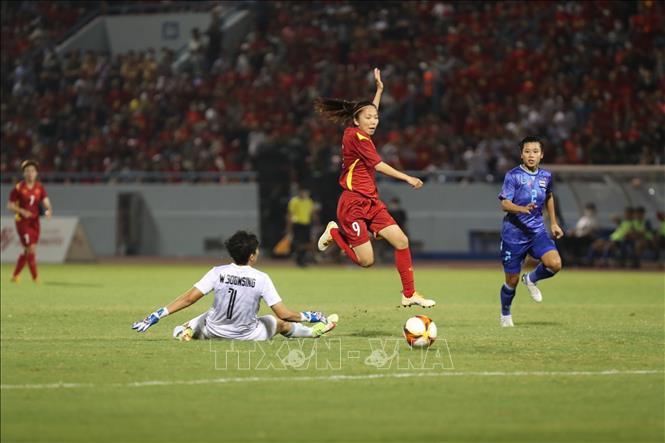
(338, 377)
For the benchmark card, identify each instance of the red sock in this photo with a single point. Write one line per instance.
(32, 263)
(19, 265)
(337, 236)
(404, 267)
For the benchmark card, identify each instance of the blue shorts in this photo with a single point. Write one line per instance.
(513, 254)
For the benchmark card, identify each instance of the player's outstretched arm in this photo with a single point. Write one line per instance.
(286, 314)
(187, 299)
(386, 169)
(379, 88)
(509, 206)
(557, 232)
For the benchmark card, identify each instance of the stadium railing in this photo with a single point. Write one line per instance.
(439, 176)
(138, 177)
(612, 187)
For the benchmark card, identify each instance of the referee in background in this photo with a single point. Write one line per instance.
(299, 224)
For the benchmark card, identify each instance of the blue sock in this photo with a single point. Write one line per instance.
(540, 273)
(507, 296)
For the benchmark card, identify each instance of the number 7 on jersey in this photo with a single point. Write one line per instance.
(232, 302)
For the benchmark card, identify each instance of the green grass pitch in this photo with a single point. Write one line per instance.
(585, 365)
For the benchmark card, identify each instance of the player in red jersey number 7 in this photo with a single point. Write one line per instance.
(27, 200)
(359, 209)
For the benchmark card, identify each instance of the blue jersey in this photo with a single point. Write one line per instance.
(523, 187)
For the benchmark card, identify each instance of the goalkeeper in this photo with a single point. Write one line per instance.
(239, 289)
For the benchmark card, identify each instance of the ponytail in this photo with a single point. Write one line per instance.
(339, 111)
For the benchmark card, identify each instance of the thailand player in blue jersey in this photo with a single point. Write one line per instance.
(526, 190)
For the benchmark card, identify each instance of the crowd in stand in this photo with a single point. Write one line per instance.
(464, 82)
(632, 239)
(28, 25)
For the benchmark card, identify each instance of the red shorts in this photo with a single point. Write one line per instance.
(356, 214)
(28, 233)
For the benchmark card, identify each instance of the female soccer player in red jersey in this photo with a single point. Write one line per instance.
(25, 201)
(359, 209)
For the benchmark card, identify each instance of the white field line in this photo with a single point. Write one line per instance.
(336, 377)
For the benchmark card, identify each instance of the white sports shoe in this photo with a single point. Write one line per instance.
(507, 321)
(533, 289)
(417, 300)
(326, 239)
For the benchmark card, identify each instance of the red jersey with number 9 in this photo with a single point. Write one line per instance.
(28, 199)
(359, 158)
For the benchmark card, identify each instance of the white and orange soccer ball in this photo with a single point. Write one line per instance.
(420, 331)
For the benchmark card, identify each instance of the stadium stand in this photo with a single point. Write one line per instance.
(595, 92)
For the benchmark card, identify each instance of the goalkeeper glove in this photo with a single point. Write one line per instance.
(143, 325)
